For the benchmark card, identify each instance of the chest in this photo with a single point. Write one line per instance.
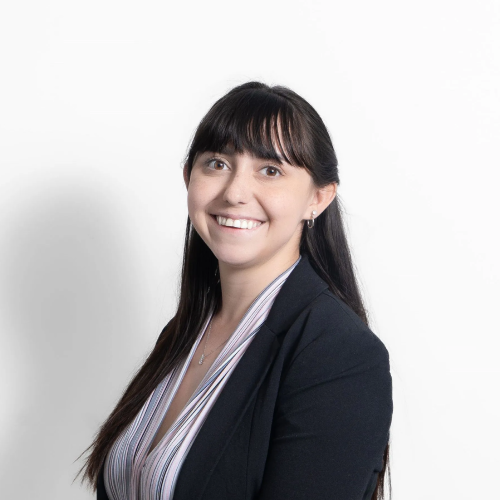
(195, 374)
(235, 436)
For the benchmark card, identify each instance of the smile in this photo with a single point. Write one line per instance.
(236, 223)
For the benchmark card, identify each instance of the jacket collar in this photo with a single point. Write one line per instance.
(300, 289)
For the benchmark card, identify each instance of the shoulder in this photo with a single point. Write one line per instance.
(334, 342)
(330, 322)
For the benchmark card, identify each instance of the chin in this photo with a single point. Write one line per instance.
(236, 258)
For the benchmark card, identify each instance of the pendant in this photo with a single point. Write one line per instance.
(201, 359)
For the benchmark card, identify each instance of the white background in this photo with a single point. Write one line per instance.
(98, 103)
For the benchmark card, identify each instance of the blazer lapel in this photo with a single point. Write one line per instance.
(300, 288)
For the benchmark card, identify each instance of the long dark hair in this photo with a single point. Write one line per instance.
(254, 118)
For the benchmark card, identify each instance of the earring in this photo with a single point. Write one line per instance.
(310, 222)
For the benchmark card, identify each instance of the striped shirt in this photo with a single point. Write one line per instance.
(130, 473)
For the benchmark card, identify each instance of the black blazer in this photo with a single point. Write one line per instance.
(306, 412)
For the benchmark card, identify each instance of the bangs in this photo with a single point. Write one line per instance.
(256, 122)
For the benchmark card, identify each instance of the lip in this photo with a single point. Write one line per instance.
(236, 217)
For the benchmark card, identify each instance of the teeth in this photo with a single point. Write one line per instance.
(240, 223)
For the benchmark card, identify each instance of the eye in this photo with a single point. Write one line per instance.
(215, 164)
(272, 171)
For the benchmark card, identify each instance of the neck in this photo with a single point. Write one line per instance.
(241, 286)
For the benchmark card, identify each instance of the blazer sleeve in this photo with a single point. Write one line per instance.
(331, 422)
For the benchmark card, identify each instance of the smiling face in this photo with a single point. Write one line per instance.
(249, 210)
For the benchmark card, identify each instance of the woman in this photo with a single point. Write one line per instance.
(267, 383)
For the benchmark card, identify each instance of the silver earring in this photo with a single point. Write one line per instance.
(310, 222)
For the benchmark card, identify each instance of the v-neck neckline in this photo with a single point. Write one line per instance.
(163, 408)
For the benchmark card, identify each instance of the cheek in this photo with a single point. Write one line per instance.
(286, 208)
(198, 196)
(191, 202)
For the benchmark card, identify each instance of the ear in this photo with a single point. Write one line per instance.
(322, 198)
(185, 174)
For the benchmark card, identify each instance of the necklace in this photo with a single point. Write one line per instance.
(203, 356)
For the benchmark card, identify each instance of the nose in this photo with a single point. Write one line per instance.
(238, 188)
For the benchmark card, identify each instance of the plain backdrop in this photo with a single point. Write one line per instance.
(98, 103)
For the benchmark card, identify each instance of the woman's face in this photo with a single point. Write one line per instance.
(249, 210)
